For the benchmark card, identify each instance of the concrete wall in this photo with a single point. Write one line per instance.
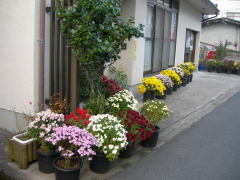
(214, 33)
(188, 18)
(18, 58)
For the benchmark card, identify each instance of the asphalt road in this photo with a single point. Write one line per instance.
(209, 150)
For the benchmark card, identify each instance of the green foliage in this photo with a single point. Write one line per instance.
(222, 50)
(211, 62)
(219, 63)
(119, 76)
(95, 104)
(95, 33)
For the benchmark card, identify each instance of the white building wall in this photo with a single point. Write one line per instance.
(214, 33)
(133, 57)
(18, 58)
(188, 18)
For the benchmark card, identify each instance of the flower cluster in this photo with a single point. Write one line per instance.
(173, 75)
(155, 111)
(152, 84)
(186, 73)
(72, 140)
(211, 62)
(165, 80)
(228, 64)
(137, 126)
(191, 66)
(211, 55)
(120, 102)
(178, 70)
(110, 134)
(42, 126)
(110, 86)
(237, 65)
(80, 119)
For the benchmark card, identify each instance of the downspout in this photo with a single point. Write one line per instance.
(41, 54)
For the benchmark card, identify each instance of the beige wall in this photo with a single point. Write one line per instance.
(214, 33)
(188, 18)
(18, 57)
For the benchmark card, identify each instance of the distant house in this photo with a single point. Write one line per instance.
(33, 67)
(219, 29)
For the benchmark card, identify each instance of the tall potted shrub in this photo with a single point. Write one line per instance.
(96, 34)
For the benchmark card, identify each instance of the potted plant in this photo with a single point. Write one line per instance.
(74, 144)
(151, 86)
(228, 65)
(174, 77)
(211, 65)
(110, 86)
(237, 67)
(219, 65)
(120, 103)
(40, 129)
(179, 71)
(20, 146)
(21, 149)
(154, 111)
(191, 69)
(111, 139)
(138, 129)
(167, 82)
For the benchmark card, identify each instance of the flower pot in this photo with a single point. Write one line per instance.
(22, 152)
(190, 77)
(126, 153)
(187, 80)
(184, 81)
(175, 86)
(169, 90)
(63, 174)
(229, 71)
(179, 85)
(162, 96)
(237, 71)
(152, 142)
(201, 67)
(219, 69)
(148, 95)
(45, 161)
(99, 164)
(210, 69)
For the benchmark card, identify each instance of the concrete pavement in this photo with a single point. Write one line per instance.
(189, 105)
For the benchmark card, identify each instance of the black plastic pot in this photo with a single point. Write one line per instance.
(190, 77)
(210, 69)
(152, 142)
(126, 153)
(162, 96)
(219, 69)
(169, 90)
(175, 87)
(184, 81)
(45, 161)
(99, 164)
(149, 95)
(63, 174)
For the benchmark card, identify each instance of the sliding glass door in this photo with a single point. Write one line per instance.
(159, 39)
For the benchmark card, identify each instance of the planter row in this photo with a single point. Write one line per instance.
(150, 95)
(219, 69)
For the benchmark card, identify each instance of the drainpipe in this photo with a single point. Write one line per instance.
(41, 53)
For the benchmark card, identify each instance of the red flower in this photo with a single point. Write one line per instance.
(30, 102)
(211, 55)
(81, 118)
